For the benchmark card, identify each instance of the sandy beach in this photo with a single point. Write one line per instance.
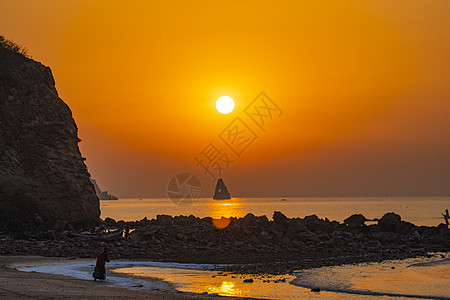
(15, 284)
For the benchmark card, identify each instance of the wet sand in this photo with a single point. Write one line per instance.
(15, 284)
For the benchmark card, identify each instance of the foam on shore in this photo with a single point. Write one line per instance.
(84, 271)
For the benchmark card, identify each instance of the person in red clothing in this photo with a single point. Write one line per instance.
(100, 271)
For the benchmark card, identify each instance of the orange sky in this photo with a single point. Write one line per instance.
(363, 86)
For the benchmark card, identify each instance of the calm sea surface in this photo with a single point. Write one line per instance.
(417, 278)
(418, 210)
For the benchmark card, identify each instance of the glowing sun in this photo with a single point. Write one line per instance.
(225, 105)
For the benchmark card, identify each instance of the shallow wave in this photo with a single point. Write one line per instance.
(412, 278)
(445, 261)
(365, 293)
(84, 271)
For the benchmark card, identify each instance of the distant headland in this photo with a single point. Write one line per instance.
(102, 195)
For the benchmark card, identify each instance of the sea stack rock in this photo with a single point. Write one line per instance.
(42, 173)
(221, 192)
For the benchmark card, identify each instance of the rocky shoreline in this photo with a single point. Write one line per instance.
(252, 245)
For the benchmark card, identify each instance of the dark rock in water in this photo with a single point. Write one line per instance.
(309, 221)
(442, 226)
(110, 221)
(280, 218)
(355, 221)
(406, 227)
(207, 220)
(42, 171)
(249, 219)
(248, 280)
(165, 219)
(262, 220)
(390, 222)
(221, 192)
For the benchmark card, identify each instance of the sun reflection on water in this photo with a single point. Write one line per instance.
(221, 211)
(227, 288)
(225, 208)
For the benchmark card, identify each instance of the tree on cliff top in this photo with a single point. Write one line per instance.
(13, 47)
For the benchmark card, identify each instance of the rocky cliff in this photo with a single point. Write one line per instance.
(44, 182)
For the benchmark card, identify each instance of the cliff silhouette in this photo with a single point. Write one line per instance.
(221, 191)
(102, 195)
(44, 182)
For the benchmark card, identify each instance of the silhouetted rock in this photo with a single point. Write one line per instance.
(110, 221)
(262, 220)
(249, 219)
(165, 219)
(389, 222)
(309, 220)
(260, 245)
(355, 221)
(406, 227)
(221, 191)
(280, 218)
(41, 168)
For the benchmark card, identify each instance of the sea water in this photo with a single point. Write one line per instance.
(422, 278)
(425, 278)
(418, 210)
(417, 278)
